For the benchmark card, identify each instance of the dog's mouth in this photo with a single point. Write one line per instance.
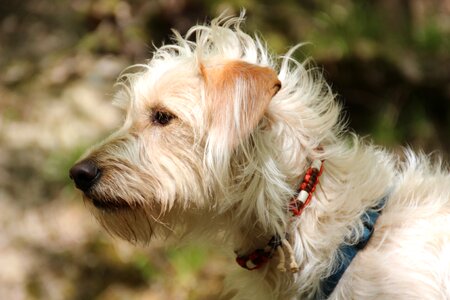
(110, 205)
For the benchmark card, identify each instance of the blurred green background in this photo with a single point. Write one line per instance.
(389, 61)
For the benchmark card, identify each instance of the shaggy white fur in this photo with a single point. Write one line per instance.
(231, 155)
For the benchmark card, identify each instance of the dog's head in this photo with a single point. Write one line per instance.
(199, 139)
(186, 113)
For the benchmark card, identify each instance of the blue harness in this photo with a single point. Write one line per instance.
(348, 252)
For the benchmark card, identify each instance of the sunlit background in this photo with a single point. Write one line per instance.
(388, 60)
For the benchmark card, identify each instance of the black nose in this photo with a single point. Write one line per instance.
(85, 174)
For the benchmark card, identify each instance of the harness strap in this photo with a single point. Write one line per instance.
(348, 252)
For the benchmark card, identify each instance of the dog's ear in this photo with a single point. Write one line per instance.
(238, 94)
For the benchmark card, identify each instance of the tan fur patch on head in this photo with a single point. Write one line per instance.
(238, 94)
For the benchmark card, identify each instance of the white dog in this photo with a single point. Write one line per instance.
(222, 137)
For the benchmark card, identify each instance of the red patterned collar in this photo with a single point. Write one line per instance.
(298, 203)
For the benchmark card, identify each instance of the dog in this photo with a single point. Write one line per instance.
(223, 140)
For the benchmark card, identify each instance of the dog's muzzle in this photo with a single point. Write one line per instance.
(85, 174)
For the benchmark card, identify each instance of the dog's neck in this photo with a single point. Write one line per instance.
(353, 181)
(279, 243)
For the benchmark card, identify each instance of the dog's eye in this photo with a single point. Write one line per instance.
(162, 118)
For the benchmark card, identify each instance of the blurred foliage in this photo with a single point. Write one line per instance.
(387, 60)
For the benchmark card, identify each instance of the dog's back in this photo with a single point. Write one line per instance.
(408, 256)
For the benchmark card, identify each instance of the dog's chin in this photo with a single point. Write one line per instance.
(129, 222)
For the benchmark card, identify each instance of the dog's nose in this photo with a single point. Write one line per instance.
(85, 174)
